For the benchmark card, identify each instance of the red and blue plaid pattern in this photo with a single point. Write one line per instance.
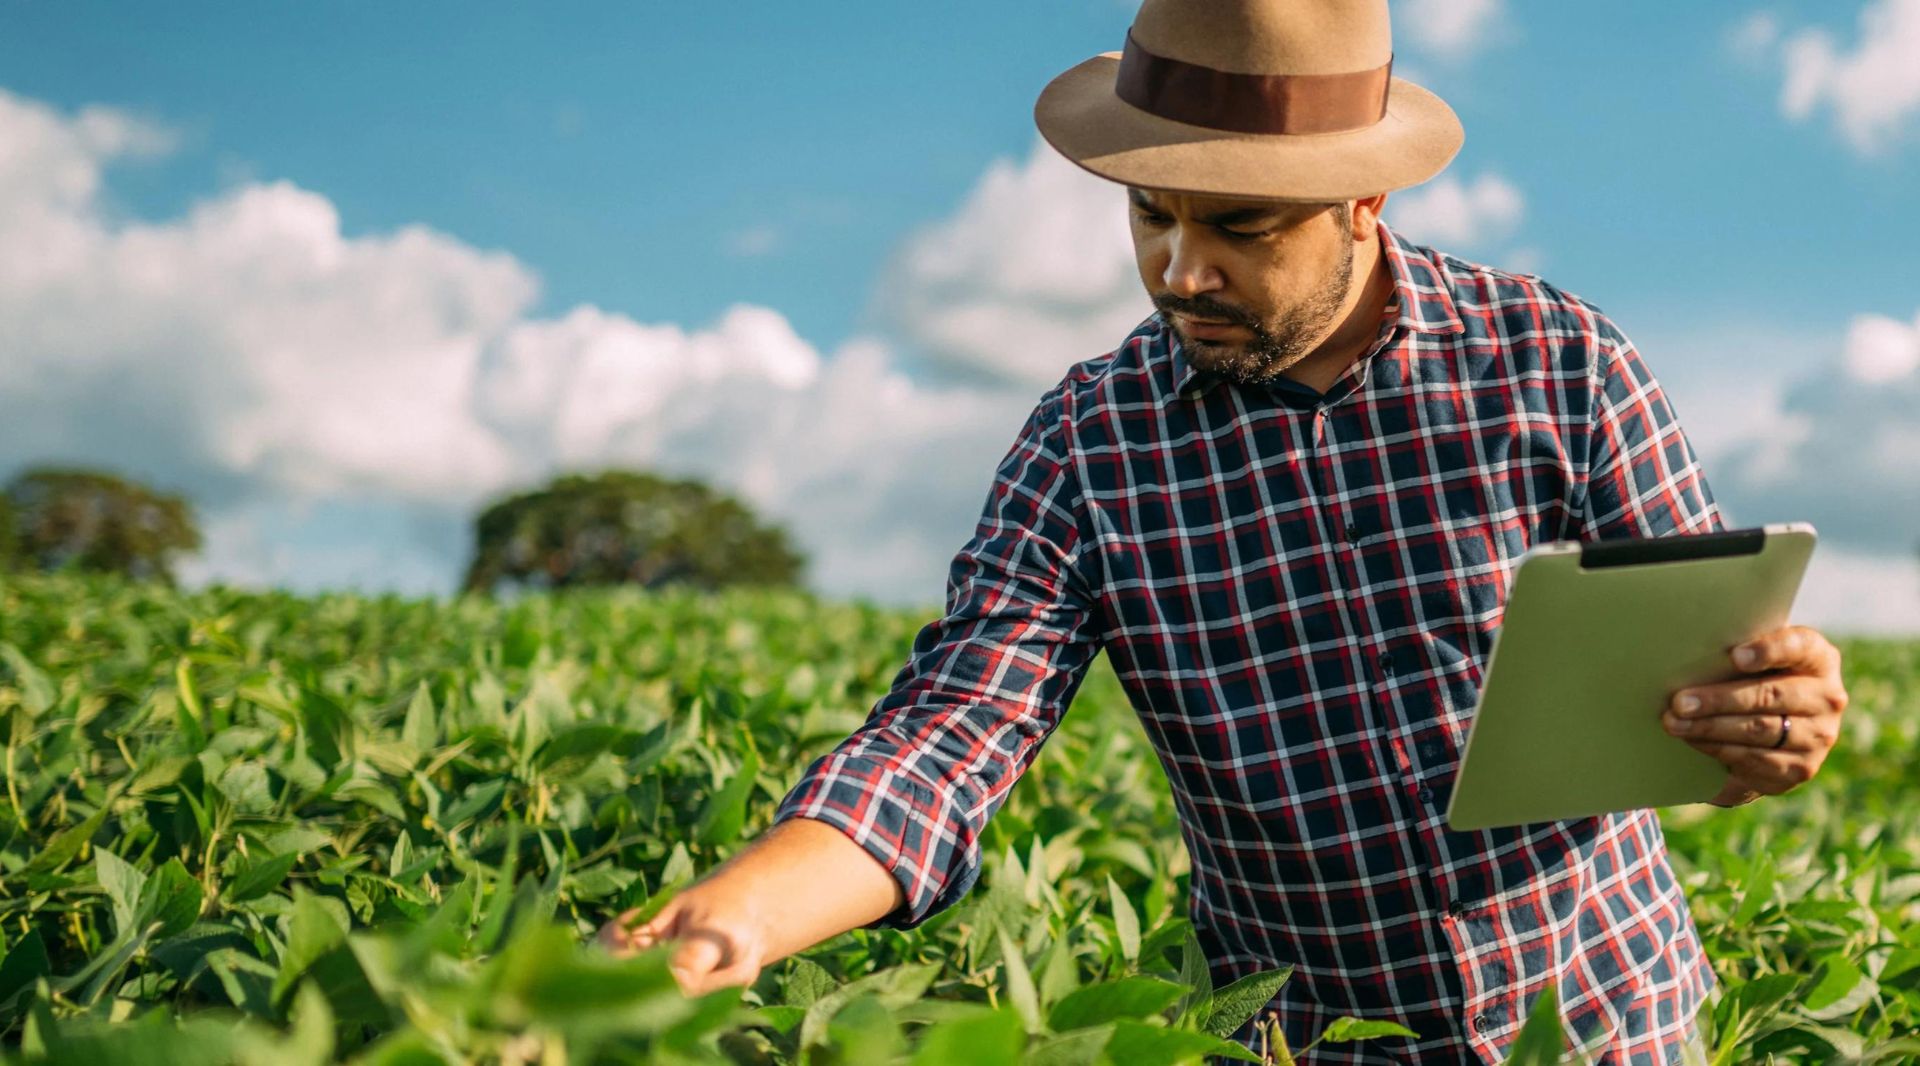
(1298, 592)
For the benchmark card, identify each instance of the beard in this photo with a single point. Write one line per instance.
(1277, 343)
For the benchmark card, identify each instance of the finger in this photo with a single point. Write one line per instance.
(1773, 694)
(1797, 648)
(745, 968)
(1771, 772)
(1802, 733)
(700, 953)
(1764, 731)
(615, 935)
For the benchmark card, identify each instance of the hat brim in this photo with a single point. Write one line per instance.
(1081, 117)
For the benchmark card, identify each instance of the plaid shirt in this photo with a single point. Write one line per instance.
(1298, 592)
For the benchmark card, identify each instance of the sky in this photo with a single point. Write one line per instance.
(343, 273)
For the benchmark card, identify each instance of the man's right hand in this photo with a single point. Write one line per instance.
(798, 884)
(718, 946)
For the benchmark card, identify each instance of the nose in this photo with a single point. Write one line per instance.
(1189, 272)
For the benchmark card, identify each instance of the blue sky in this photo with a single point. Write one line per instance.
(1732, 182)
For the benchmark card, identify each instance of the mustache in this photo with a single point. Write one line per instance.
(1203, 307)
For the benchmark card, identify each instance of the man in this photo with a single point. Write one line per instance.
(1286, 507)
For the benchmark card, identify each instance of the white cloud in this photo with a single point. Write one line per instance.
(1754, 37)
(1450, 214)
(1836, 446)
(1451, 28)
(1794, 421)
(1881, 350)
(753, 242)
(1032, 274)
(1855, 593)
(1872, 87)
(338, 407)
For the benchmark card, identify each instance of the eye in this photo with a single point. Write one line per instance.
(1237, 235)
(1151, 218)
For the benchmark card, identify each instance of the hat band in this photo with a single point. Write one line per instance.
(1251, 103)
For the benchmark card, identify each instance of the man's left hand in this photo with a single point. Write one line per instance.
(1773, 728)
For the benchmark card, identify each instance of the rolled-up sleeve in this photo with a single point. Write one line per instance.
(983, 688)
(1643, 477)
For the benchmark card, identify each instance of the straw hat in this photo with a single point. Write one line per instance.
(1252, 99)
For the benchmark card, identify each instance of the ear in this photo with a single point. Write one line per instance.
(1365, 214)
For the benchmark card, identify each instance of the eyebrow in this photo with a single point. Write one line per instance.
(1236, 217)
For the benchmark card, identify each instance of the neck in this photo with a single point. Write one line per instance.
(1357, 324)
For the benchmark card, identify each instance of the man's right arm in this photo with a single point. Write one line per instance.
(883, 830)
(799, 883)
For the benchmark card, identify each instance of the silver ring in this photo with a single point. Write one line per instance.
(1786, 726)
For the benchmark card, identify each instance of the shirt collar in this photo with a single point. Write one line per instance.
(1419, 291)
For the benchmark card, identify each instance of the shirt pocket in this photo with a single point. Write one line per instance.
(1513, 497)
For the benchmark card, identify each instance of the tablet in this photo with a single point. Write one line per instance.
(1594, 639)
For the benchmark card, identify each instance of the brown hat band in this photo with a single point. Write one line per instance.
(1251, 103)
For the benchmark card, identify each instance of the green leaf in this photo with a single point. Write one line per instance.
(1346, 1030)
(990, 1038)
(397, 859)
(1756, 890)
(186, 954)
(171, 900)
(1194, 973)
(67, 843)
(312, 931)
(122, 883)
(259, 876)
(782, 1018)
(481, 798)
(1059, 972)
(726, 810)
(806, 982)
(1839, 989)
(1020, 991)
(1082, 1047)
(1139, 1044)
(1231, 1006)
(189, 692)
(1542, 1040)
(26, 962)
(408, 1047)
(37, 691)
(579, 743)
(893, 988)
(1139, 996)
(1126, 924)
(311, 1041)
(375, 795)
(246, 786)
(422, 728)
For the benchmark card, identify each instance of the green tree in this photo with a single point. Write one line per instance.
(57, 518)
(620, 527)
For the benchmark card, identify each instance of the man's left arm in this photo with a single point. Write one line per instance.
(1772, 726)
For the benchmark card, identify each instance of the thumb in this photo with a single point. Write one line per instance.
(695, 960)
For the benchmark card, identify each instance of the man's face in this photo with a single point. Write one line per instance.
(1250, 286)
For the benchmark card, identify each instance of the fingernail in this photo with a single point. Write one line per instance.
(1680, 725)
(1745, 656)
(1689, 704)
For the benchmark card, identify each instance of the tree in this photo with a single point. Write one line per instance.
(60, 517)
(619, 527)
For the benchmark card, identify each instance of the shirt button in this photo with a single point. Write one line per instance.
(1425, 794)
(1353, 532)
(1482, 1023)
(1386, 662)
(1457, 908)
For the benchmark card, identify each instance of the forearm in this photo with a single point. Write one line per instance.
(801, 882)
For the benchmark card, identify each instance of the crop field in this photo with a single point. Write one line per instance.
(265, 828)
